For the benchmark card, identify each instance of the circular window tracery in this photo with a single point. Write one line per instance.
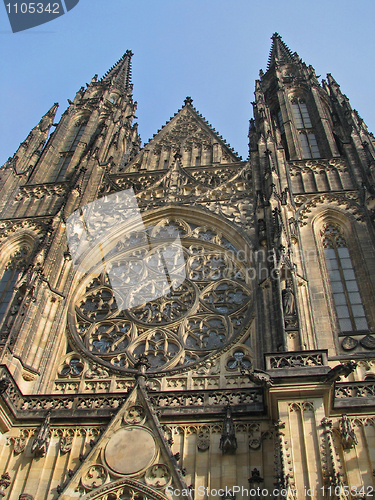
(191, 321)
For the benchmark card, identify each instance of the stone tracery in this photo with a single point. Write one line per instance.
(190, 322)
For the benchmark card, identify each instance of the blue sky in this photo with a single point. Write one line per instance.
(211, 50)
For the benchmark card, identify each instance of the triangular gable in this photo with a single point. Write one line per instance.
(188, 134)
(132, 454)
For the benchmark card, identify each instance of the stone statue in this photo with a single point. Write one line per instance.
(288, 299)
(228, 441)
(348, 437)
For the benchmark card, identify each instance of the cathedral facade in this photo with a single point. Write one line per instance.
(216, 343)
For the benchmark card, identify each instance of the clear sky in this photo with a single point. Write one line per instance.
(211, 50)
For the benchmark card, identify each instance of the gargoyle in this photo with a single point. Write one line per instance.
(259, 377)
(341, 370)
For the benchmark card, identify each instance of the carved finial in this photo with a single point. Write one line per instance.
(41, 442)
(326, 423)
(188, 101)
(255, 477)
(142, 365)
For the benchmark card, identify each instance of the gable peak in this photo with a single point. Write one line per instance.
(188, 113)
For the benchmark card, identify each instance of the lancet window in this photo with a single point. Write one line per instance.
(15, 265)
(346, 295)
(309, 145)
(303, 123)
(301, 114)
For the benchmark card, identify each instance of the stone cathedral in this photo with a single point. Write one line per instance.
(251, 377)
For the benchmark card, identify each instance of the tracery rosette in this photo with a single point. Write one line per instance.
(124, 309)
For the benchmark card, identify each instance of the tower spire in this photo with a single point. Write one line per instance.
(30, 149)
(120, 73)
(279, 52)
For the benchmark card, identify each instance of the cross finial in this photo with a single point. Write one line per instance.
(188, 101)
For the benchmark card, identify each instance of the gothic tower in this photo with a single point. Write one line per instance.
(175, 321)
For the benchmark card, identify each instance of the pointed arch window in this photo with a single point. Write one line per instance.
(309, 145)
(15, 265)
(348, 302)
(301, 114)
(304, 125)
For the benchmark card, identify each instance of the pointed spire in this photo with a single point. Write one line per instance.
(279, 52)
(120, 73)
(30, 149)
(47, 120)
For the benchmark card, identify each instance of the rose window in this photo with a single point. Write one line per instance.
(125, 309)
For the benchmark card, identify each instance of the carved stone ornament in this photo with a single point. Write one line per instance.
(288, 299)
(368, 342)
(203, 441)
(348, 344)
(254, 443)
(255, 477)
(4, 384)
(348, 437)
(135, 415)
(25, 496)
(340, 370)
(259, 377)
(19, 445)
(158, 476)
(96, 371)
(66, 444)
(94, 477)
(41, 442)
(228, 441)
(4, 483)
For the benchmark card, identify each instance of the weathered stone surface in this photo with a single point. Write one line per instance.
(130, 450)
